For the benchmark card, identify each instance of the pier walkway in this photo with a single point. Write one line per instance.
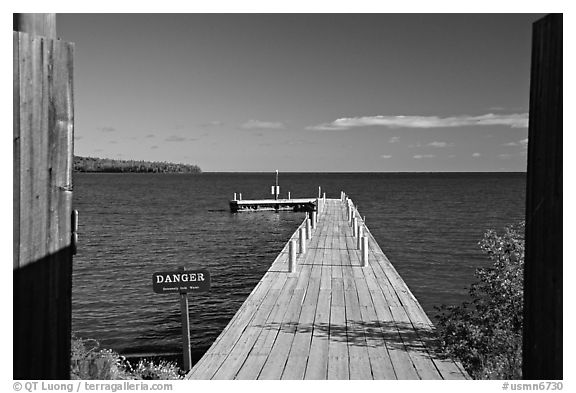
(329, 319)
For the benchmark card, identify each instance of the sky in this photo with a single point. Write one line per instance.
(304, 92)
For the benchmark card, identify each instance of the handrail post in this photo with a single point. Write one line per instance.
(302, 240)
(364, 251)
(292, 256)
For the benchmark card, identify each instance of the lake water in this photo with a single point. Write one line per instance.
(132, 225)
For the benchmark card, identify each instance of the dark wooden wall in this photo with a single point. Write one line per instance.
(542, 352)
(42, 194)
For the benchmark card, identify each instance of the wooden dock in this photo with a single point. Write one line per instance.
(329, 319)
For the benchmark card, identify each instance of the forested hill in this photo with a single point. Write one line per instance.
(92, 164)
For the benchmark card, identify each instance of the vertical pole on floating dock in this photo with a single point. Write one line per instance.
(292, 256)
(187, 361)
(240, 196)
(308, 229)
(364, 251)
(276, 188)
(302, 240)
(355, 226)
(234, 196)
(288, 194)
(360, 236)
(319, 191)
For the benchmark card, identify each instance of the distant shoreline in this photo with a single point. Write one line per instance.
(108, 165)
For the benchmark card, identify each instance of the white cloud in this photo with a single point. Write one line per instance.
(523, 143)
(385, 156)
(394, 139)
(516, 120)
(440, 144)
(476, 155)
(175, 138)
(259, 125)
(420, 156)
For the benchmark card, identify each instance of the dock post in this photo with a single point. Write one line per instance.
(240, 196)
(319, 191)
(350, 214)
(302, 240)
(355, 226)
(364, 250)
(308, 229)
(360, 236)
(292, 256)
(314, 220)
(235, 196)
(288, 194)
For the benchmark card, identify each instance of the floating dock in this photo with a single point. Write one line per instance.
(295, 204)
(328, 311)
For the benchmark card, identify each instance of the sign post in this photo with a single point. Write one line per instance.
(187, 362)
(183, 281)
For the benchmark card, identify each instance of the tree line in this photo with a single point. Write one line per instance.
(93, 164)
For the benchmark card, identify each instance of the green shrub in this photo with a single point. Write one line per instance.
(89, 361)
(486, 333)
(146, 369)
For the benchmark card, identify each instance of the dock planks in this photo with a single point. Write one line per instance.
(330, 319)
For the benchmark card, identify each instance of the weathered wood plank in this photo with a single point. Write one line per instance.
(16, 151)
(338, 357)
(317, 366)
(543, 347)
(300, 350)
(42, 143)
(357, 347)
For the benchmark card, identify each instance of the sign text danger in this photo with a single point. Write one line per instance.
(181, 281)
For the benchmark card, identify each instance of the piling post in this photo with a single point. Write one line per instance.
(234, 196)
(359, 237)
(240, 196)
(355, 226)
(292, 256)
(288, 194)
(319, 191)
(364, 251)
(314, 220)
(302, 240)
(308, 229)
(350, 214)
